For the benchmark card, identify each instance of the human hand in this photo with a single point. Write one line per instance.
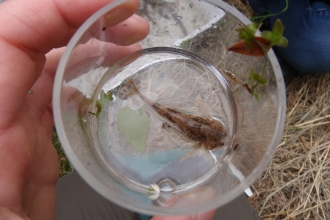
(203, 216)
(29, 30)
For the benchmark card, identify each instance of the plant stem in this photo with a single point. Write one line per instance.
(264, 68)
(264, 17)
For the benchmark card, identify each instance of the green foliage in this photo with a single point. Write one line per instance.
(103, 100)
(105, 97)
(259, 46)
(275, 37)
(258, 79)
(65, 166)
(247, 33)
(254, 81)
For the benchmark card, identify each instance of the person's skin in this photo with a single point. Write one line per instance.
(202, 216)
(29, 30)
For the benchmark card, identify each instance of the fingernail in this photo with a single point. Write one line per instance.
(130, 40)
(139, 18)
(116, 16)
(120, 13)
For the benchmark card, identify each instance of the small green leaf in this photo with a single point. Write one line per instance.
(251, 78)
(275, 37)
(254, 80)
(105, 97)
(259, 79)
(103, 100)
(247, 33)
(134, 124)
(99, 107)
(283, 42)
(278, 28)
(256, 96)
(267, 35)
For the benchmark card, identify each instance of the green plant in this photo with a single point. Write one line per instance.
(65, 166)
(104, 99)
(258, 46)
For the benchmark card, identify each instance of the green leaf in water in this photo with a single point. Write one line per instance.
(104, 99)
(254, 81)
(134, 124)
(257, 78)
(256, 96)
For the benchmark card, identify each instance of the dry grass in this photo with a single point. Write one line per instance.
(296, 185)
(241, 5)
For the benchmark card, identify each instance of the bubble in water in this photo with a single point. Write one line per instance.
(166, 185)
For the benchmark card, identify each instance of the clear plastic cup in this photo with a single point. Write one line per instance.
(122, 145)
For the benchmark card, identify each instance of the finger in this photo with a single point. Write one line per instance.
(66, 39)
(38, 102)
(43, 204)
(29, 29)
(39, 194)
(95, 54)
(47, 121)
(41, 95)
(126, 32)
(37, 26)
(173, 218)
(199, 195)
(134, 29)
(209, 215)
(203, 216)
